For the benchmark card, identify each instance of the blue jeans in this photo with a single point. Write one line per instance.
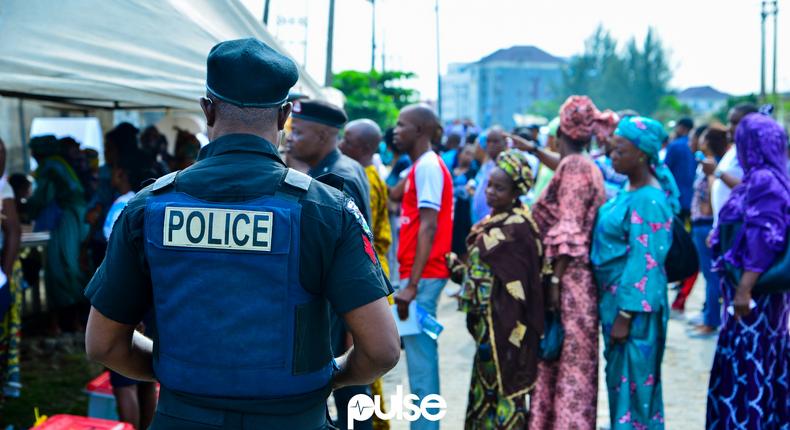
(422, 353)
(711, 312)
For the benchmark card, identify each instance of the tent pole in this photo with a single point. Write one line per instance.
(23, 135)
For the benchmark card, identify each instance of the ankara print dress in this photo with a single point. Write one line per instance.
(632, 238)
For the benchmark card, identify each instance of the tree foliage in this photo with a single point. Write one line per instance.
(375, 95)
(635, 77)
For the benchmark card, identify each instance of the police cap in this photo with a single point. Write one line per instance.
(249, 73)
(320, 112)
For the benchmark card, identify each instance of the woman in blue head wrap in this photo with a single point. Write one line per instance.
(631, 240)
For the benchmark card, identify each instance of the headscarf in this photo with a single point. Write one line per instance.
(762, 144)
(515, 165)
(580, 119)
(648, 134)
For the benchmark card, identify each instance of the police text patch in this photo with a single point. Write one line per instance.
(216, 228)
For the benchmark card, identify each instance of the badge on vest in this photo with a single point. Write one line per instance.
(217, 228)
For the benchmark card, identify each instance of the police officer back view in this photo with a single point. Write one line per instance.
(236, 258)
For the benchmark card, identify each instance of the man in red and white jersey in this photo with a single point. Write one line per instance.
(426, 231)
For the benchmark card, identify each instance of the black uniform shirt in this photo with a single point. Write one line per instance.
(334, 262)
(355, 179)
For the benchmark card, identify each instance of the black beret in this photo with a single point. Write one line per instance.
(320, 112)
(249, 73)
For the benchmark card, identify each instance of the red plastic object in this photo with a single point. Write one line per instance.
(100, 385)
(73, 422)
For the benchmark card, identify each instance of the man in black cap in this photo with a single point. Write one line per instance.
(313, 140)
(237, 259)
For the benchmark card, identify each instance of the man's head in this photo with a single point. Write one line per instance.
(684, 127)
(417, 124)
(736, 114)
(247, 84)
(496, 142)
(453, 141)
(314, 129)
(361, 140)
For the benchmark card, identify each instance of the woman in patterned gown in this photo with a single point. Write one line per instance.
(503, 298)
(565, 396)
(632, 238)
(750, 379)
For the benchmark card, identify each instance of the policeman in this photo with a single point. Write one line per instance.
(239, 259)
(313, 140)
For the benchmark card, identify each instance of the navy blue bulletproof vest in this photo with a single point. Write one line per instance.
(232, 317)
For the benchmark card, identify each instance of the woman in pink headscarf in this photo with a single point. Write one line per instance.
(565, 396)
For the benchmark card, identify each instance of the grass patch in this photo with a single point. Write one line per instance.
(53, 382)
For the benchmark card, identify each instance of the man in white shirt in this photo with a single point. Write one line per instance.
(727, 171)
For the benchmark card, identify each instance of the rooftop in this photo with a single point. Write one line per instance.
(524, 54)
(704, 92)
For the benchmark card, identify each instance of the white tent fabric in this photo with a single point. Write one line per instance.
(127, 54)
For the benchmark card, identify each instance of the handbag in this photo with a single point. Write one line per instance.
(553, 336)
(775, 280)
(682, 261)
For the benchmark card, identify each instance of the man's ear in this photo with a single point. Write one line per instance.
(209, 110)
(283, 114)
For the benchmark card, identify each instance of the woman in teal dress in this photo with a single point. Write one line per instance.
(631, 240)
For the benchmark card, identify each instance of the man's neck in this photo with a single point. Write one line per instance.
(321, 157)
(419, 149)
(269, 135)
(366, 160)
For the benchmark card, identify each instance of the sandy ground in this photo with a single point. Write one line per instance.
(685, 370)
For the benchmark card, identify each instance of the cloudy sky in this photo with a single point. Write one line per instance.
(711, 42)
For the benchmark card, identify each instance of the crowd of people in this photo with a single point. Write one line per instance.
(575, 231)
(76, 201)
(553, 239)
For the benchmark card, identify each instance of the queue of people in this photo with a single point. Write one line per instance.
(591, 249)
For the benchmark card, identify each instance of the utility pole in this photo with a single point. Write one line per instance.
(768, 8)
(329, 37)
(776, 30)
(266, 13)
(438, 67)
(763, 15)
(373, 38)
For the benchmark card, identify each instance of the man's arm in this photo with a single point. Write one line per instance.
(376, 347)
(12, 232)
(396, 192)
(119, 347)
(428, 225)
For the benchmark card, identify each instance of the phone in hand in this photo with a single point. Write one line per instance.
(699, 156)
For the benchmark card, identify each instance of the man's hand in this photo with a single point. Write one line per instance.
(708, 166)
(403, 299)
(621, 329)
(553, 297)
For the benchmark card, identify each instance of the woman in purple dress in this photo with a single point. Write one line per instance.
(750, 380)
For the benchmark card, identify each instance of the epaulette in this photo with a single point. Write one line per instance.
(333, 180)
(164, 182)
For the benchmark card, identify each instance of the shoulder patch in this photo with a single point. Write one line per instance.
(367, 235)
(352, 208)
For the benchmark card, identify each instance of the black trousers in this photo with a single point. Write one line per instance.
(342, 397)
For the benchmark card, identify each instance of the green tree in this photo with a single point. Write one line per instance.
(636, 77)
(669, 108)
(375, 95)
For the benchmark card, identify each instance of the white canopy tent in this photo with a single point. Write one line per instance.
(131, 54)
